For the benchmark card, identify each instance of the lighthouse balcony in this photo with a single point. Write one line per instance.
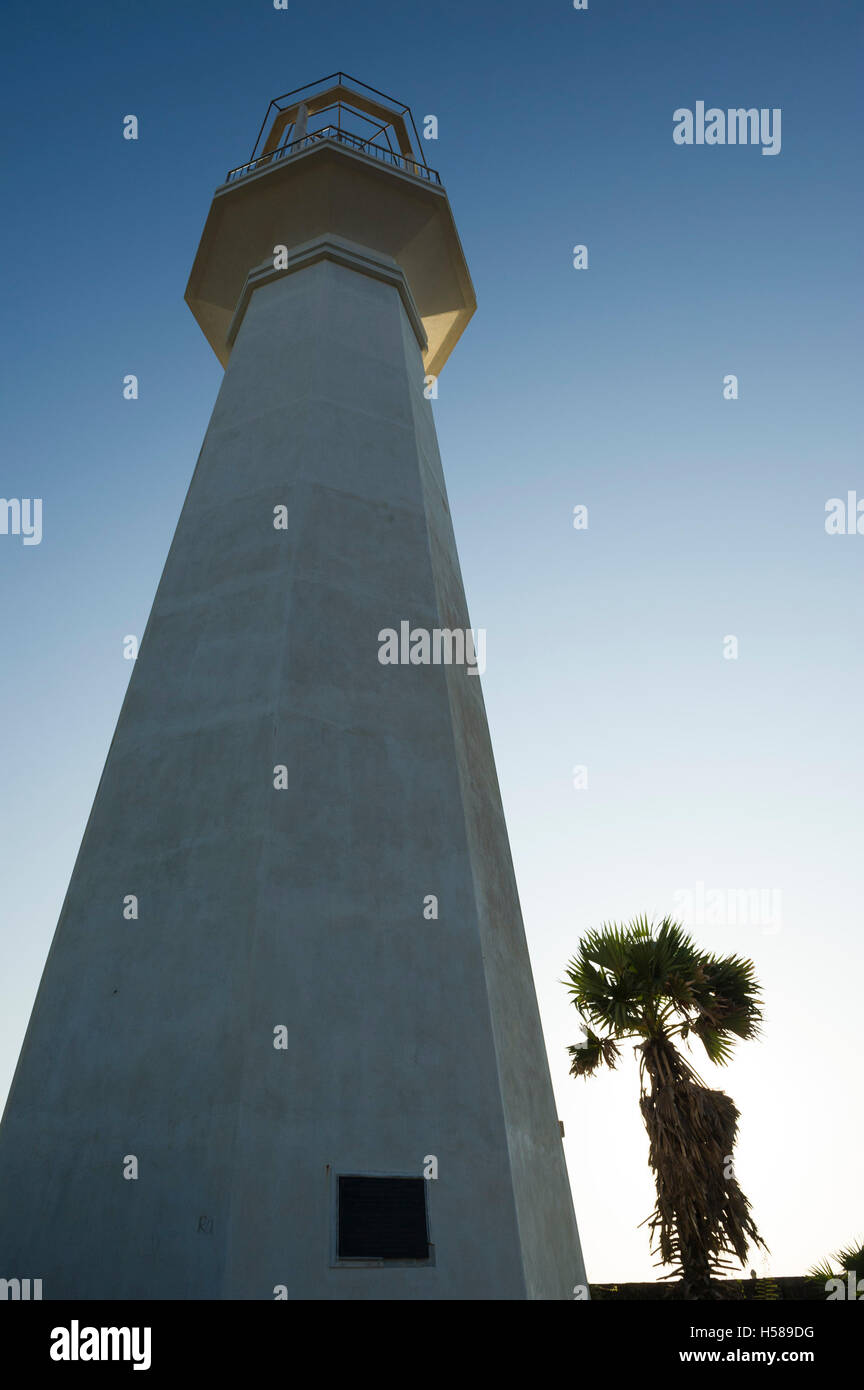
(334, 134)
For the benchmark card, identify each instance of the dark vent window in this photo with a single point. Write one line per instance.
(382, 1219)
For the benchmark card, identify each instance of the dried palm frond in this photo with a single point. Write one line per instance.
(701, 1217)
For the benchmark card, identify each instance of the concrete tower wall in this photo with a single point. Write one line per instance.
(300, 907)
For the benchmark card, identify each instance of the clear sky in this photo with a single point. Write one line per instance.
(601, 387)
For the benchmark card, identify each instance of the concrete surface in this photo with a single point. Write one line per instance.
(300, 907)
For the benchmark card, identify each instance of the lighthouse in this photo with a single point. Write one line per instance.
(286, 1044)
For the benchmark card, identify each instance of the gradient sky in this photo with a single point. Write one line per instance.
(601, 387)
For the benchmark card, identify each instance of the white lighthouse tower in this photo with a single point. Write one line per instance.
(287, 1043)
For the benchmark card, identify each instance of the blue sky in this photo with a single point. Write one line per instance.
(601, 387)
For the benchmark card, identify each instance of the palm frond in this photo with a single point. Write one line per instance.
(850, 1259)
(592, 1053)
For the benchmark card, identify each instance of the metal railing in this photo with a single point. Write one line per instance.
(342, 137)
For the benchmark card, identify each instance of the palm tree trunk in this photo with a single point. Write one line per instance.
(701, 1216)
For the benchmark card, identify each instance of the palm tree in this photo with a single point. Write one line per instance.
(850, 1259)
(654, 984)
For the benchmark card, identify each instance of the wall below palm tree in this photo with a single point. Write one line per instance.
(794, 1289)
